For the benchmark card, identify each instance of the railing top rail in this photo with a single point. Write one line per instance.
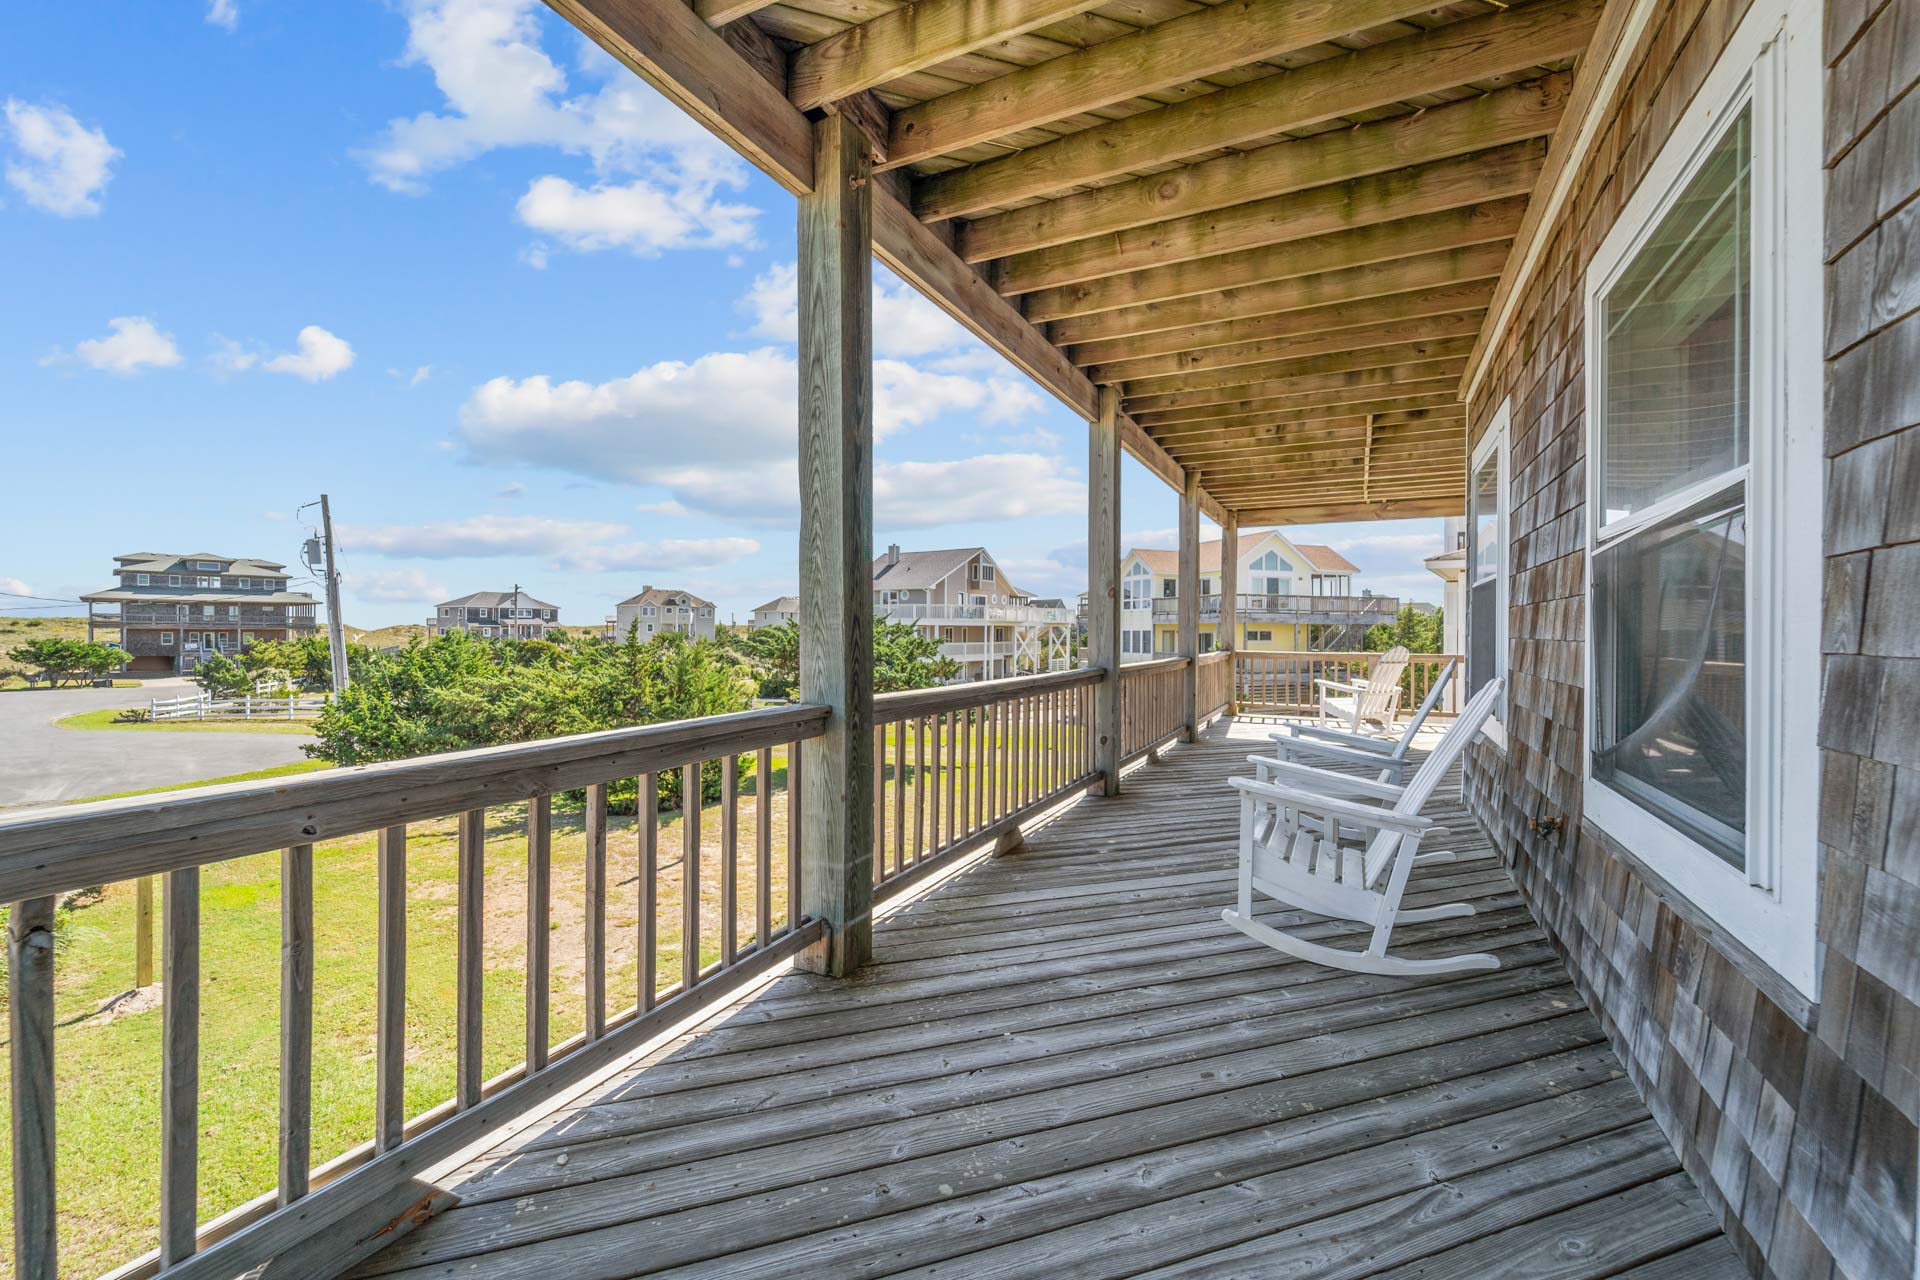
(954, 697)
(51, 850)
(1339, 655)
(1218, 655)
(1175, 663)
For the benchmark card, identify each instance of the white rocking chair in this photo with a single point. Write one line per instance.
(1292, 850)
(1375, 698)
(1304, 742)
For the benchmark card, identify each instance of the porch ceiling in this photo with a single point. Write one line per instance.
(1276, 226)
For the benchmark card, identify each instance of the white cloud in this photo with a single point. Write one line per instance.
(230, 357)
(501, 89)
(994, 486)
(717, 433)
(397, 586)
(479, 536)
(905, 324)
(224, 13)
(641, 216)
(420, 375)
(59, 164)
(671, 553)
(134, 344)
(669, 507)
(321, 356)
(14, 586)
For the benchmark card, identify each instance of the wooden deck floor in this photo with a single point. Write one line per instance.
(1065, 1065)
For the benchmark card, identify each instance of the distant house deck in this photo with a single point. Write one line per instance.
(1063, 1064)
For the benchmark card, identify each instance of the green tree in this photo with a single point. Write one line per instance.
(774, 654)
(304, 661)
(1419, 632)
(67, 661)
(903, 658)
(222, 677)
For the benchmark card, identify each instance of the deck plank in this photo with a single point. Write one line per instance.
(1062, 1063)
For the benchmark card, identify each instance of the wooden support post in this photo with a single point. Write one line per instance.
(1226, 635)
(143, 932)
(180, 1068)
(1103, 583)
(30, 1053)
(1189, 606)
(836, 544)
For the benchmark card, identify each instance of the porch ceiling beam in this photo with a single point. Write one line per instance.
(1365, 80)
(1264, 442)
(1305, 471)
(1384, 334)
(1327, 512)
(1157, 57)
(1416, 371)
(1181, 436)
(904, 40)
(1223, 467)
(1383, 198)
(1476, 224)
(1185, 322)
(1528, 110)
(667, 45)
(1343, 362)
(1306, 322)
(1168, 428)
(1346, 483)
(718, 13)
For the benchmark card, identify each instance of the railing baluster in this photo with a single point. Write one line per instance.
(647, 819)
(390, 999)
(942, 778)
(30, 1057)
(539, 929)
(689, 876)
(879, 803)
(143, 932)
(729, 858)
(900, 795)
(296, 1020)
(594, 895)
(762, 845)
(793, 835)
(180, 1068)
(468, 957)
(920, 788)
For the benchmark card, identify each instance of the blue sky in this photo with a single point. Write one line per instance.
(451, 264)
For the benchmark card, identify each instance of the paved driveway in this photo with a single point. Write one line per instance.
(40, 763)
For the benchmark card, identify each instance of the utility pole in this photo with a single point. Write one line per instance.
(336, 631)
(514, 617)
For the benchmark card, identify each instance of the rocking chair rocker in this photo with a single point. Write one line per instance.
(1292, 850)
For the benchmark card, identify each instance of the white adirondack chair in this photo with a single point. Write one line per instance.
(1303, 743)
(1293, 848)
(1375, 698)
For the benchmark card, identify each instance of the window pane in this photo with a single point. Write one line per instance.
(1486, 518)
(1670, 672)
(1674, 355)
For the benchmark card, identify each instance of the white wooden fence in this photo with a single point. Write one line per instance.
(252, 706)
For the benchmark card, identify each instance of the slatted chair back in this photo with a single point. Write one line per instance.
(1427, 778)
(1380, 698)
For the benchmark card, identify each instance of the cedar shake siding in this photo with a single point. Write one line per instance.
(1796, 1118)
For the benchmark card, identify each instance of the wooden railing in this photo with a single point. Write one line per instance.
(1215, 683)
(317, 1219)
(1281, 683)
(965, 763)
(1151, 705)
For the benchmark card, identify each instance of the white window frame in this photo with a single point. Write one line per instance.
(166, 639)
(1498, 438)
(1773, 62)
(142, 579)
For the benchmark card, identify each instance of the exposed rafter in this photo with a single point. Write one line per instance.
(1157, 57)
(1386, 333)
(1170, 427)
(1382, 198)
(1411, 373)
(916, 35)
(1475, 224)
(1528, 110)
(1262, 109)
(1340, 362)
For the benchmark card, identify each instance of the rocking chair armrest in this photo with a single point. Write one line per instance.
(1344, 737)
(1296, 748)
(1347, 811)
(1342, 685)
(1309, 778)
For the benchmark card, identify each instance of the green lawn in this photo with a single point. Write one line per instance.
(278, 771)
(104, 718)
(108, 1073)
